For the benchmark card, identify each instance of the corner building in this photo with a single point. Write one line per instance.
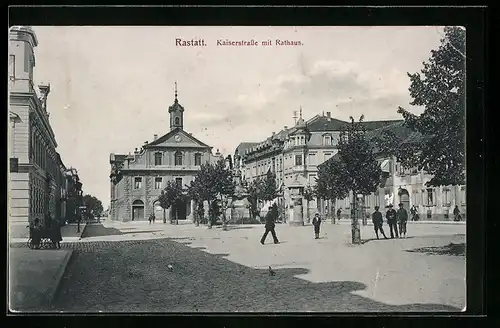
(137, 179)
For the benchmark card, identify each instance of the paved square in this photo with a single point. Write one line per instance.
(124, 267)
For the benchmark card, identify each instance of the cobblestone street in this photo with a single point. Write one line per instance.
(216, 270)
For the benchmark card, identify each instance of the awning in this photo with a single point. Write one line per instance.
(385, 166)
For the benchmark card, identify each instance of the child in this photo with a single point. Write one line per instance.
(316, 223)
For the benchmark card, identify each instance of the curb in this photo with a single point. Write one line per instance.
(54, 288)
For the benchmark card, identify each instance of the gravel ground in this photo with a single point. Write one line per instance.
(132, 276)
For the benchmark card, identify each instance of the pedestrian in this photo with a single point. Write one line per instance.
(402, 220)
(391, 217)
(456, 214)
(270, 219)
(153, 217)
(339, 213)
(150, 219)
(56, 236)
(378, 222)
(36, 233)
(316, 223)
(413, 212)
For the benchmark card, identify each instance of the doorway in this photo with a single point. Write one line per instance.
(404, 198)
(138, 210)
(179, 210)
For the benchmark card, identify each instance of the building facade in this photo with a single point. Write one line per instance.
(35, 182)
(137, 179)
(294, 154)
(407, 186)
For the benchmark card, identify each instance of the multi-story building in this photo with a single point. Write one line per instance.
(293, 154)
(137, 179)
(34, 181)
(407, 186)
(73, 195)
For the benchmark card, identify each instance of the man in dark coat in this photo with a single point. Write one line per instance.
(392, 221)
(456, 213)
(402, 220)
(378, 222)
(270, 219)
(56, 237)
(316, 223)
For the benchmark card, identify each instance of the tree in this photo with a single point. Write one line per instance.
(213, 183)
(440, 89)
(308, 195)
(268, 187)
(94, 206)
(170, 195)
(354, 169)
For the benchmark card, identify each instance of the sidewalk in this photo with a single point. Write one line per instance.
(68, 232)
(34, 276)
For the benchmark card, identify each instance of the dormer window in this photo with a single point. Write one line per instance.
(327, 140)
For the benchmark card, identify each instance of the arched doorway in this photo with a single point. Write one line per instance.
(179, 209)
(158, 211)
(404, 198)
(138, 210)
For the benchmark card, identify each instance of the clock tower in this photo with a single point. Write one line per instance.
(176, 112)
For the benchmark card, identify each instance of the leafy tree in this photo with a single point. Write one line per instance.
(171, 195)
(440, 89)
(308, 195)
(269, 187)
(93, 205)
(212, 182)
(354, 169)
(254, 195)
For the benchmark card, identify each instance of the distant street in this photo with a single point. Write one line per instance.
(214, 270)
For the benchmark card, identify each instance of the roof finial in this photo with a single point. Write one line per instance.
(300, 111)
(175, 91)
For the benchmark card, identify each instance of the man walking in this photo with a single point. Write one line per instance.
(270, 219)
(339, 212)
(402, 220)
(378, 222)
(456, 213)
(316, 223)
(391, 217)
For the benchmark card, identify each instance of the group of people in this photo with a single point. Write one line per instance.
(52, 230)
(152, 218)
(395, 219)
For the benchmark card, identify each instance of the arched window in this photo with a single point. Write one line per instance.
(178, 158)
(197, 159)
(158, 158)
(177, 121)
(327, 140)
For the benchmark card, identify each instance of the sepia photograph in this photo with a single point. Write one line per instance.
(202, 169)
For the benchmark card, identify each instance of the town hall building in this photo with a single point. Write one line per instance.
(137, 179)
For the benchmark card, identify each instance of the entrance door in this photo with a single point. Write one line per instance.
(138, 210)
(179, 210)
(405, 199)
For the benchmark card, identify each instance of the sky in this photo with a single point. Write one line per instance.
(111, 86)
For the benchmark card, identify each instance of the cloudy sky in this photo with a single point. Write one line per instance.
(111, 86)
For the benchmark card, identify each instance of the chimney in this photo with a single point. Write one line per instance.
(328, 114)
(155, 137)
(285, 127)
(136, 151)
(273, 133)
(146, 143)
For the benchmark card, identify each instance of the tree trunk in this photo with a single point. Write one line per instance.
(331, 211)
(164, 216)
(355, 230)
(209, 225)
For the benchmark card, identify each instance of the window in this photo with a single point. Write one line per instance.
(178, 158)
(158, 182)
(177, 121)
(430, 196)
(327, 140)
(137, 183)
(197, 159)
(446, 192)
(158, 158)
(312, 159)
(312, 179)
(12, 66)
(327, 156)
(178, 182)
(463, 195)
(298, 159)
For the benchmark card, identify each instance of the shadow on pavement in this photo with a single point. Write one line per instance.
(236, 227)
(450, 249)
(134, 277)
(140, 231)
(98, 230)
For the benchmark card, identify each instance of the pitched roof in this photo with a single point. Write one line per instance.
(172, 132)
(175, 106)
(243, 146)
